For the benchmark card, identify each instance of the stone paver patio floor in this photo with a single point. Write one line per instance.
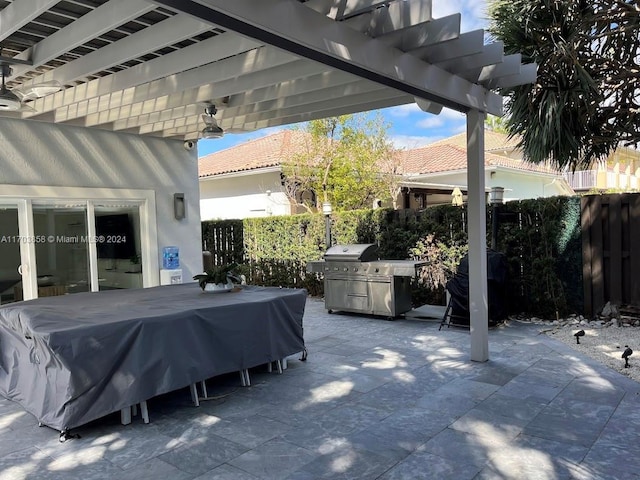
(375, 400)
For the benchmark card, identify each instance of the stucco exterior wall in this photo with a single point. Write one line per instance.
(245, 196)
(42, 154)
(518, 185)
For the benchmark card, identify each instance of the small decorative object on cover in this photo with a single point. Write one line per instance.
(218, 278)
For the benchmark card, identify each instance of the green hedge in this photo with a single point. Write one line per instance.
(541, 239)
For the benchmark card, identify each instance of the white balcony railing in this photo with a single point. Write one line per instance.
(581, 179)
(587, 179)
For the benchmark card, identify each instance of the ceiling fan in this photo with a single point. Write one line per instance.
(211, 129)
(12, 100)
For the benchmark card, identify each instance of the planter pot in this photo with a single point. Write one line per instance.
(218, 287)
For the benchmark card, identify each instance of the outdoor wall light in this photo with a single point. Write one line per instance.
(496, 195)
(326, 210)
(179, 207)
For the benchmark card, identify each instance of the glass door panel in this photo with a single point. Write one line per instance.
(10, 240)
(62, 260)
(118, 246)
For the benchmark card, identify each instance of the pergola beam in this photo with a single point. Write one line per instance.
(424, 34)
(219, 47)
(15, 15)
(465, 66)
(528, 74)
(468, 43)
(395, 17)
(95, 23)
(155, 37)
(254, 68)
(188, 134)
(304, 32)
(219, 84)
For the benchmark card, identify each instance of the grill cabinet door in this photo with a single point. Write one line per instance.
(346, 294)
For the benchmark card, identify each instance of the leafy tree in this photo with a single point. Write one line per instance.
(346, 160)
(496, 124)
(585, 101)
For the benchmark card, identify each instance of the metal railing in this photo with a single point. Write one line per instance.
(587, 179)
(581, 179)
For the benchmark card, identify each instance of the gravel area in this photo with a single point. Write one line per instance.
(603, 341)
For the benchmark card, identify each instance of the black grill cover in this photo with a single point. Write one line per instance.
(458, 287)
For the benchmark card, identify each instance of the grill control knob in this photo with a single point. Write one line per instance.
(345, 269)
(377, 270)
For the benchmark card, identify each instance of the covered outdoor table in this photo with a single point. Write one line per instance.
(71, 359)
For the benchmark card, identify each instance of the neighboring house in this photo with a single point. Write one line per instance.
(620, 171)
(444, 163)
(246, 180)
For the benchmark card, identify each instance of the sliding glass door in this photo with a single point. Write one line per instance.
(59, 247)
(62, 259)
(118, 248)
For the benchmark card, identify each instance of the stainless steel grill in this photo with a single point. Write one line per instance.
(356, 281)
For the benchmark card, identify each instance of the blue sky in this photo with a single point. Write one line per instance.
(410, 127)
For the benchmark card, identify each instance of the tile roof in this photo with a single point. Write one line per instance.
(262, 152)
(492, 141)
(438, 158)
(445, 155)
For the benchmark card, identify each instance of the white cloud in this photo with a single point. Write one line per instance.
(447, 117)
(451, 114)
(459, 129)
(432, 121)
(403, 110)
(409, 142)
(474, 13)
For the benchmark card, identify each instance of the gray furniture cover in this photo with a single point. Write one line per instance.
(71, 359)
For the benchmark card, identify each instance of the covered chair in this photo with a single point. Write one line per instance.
(457, 311)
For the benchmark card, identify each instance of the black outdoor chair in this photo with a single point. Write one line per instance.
(457, 311)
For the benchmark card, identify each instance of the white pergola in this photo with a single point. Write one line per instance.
(150, 67)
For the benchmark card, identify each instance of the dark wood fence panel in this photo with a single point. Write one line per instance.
(225, 241)
(610, 250)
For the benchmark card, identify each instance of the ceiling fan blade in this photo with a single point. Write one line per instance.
(237, 130)
(38, 90)
(26, 108)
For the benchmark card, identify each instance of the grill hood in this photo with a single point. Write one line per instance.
(355, 252)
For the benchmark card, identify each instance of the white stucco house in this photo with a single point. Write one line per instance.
(246, 180)
(445, 162)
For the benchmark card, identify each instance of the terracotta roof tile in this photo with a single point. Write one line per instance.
(262, 152)
(437, 158)
(492, 141)
(444, 155)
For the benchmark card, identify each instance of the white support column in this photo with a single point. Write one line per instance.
(477, 230)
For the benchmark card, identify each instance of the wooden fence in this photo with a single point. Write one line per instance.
(610, 250)
(224, 240)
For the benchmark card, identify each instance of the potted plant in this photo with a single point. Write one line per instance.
(136, 266)
(218, 278)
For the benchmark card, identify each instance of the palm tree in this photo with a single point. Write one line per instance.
(585, 101)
